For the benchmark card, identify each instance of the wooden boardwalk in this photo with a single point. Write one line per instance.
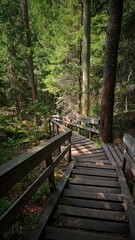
(91, 205)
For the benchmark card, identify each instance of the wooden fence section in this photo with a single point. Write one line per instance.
(86, 125)
(16, 169)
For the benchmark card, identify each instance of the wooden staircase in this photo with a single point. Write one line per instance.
(91, 205)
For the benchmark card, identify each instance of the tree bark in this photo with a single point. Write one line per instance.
(86, 56)
(110, 66)
(30, 58)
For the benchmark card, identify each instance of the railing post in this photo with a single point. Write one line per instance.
(90, 135)
(69, 152)
(58, 130)
(50, 132)
(53, 129)
(51, 178)
(124, 160)
(80, 128)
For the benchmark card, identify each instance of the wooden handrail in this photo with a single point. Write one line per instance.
(130, 143)
(13, 171)
(92, 125)
(129, 153)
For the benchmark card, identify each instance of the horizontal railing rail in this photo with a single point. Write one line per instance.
(16, 169)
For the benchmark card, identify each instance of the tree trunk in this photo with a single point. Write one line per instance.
(109, 77)
(86, 56)
(80, 65)
(80, 79)
(30, 58)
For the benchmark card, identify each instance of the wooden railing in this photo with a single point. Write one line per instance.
(16, 169)
(129, 156)
(89, 126)
(129, 163)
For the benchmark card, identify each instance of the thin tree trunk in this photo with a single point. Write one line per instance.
(80, 64)
(80, 79)
(86, 56)
(30, 58)
(109, 77)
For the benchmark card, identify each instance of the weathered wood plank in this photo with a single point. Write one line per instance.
(69, 234)
(91, 213)
(92, 169)
(89, 121)
(124, 188)
(94, 182)
(94, 189)
(120, 154)
(128, 201)
(88, 160)
(90, 157)
(131, 209)
(102, 178)
(96, 225)
(108, 154)
(129, 162)
(91, 195)
(91, 151)
(82, 164)
(86, 152)
(82, 141)
(51, 204)
(94, 173)
(85, 143)
(130, 143)
(114, 154)
(95, 204)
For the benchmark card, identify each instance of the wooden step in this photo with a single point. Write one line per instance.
(89, 165)
(93, 224)
(95, 182)
(91, 213)
(91, 195)
(91, 156)
(96, 169)
(91, 172)
(102, 178)
(56, 233)
(94, 189)
(95, 204)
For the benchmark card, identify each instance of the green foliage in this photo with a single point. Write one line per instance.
(125, 87)
(95, 110)
(96, 139)
(4, 205)
(16, 135)
(124, 122)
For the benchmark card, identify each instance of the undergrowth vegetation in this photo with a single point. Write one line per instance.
(17, 135)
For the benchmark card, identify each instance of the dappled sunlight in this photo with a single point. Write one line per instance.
(99, 163)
